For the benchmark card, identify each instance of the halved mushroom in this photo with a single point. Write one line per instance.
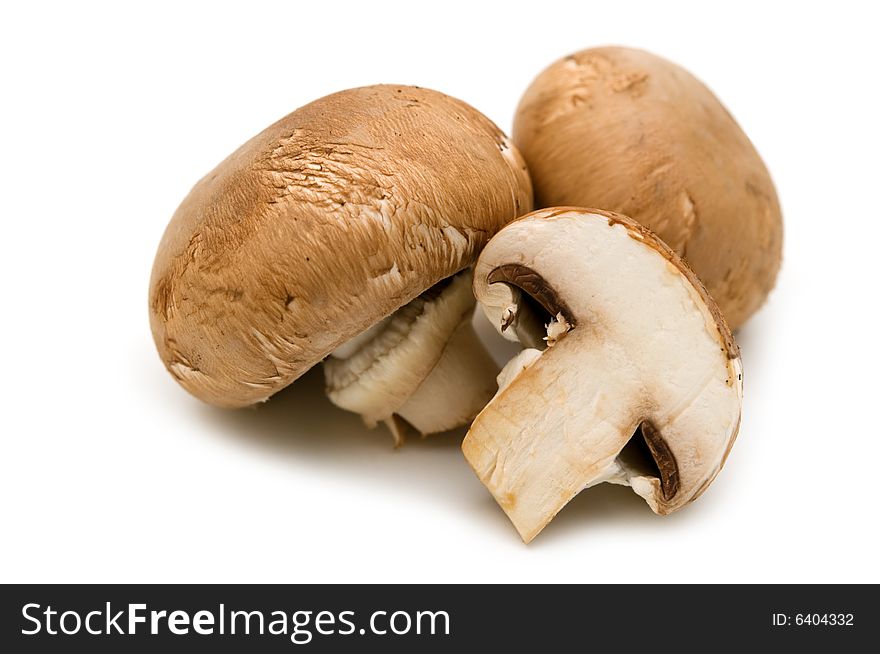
(639, 382)
(307, 238)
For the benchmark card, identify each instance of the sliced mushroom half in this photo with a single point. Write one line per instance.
(630, 375)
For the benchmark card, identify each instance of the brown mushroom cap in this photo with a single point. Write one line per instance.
(629, 132)
(320, 226)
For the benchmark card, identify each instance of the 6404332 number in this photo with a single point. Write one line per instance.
(824, 619)
(812, 619)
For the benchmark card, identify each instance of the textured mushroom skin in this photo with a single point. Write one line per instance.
(318, 227)
(632, 133)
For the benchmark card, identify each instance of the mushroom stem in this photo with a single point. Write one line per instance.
(457, 389)
(424, 366)
(512, 458)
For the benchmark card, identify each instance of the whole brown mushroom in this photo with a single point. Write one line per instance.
(626, 131)
(345, 228)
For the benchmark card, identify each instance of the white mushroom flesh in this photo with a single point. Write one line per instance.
(348, 348)
(644, 347)
(424, 364)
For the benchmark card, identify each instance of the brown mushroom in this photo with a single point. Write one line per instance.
(630, 375)
(627, 131)
(322, 226)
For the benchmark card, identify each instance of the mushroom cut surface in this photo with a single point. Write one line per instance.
(630, 374)
(320, 227)
(630, 132)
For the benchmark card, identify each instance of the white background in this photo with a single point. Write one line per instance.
(111, 472)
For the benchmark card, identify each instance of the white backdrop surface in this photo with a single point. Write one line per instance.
(110, 472)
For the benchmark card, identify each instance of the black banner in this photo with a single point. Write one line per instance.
(319, 618)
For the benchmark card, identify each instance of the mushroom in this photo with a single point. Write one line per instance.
(639, 381)
(342, 229)
(630, 132)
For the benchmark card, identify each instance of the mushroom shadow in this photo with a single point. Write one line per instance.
(599, 507)
(757, 337)
(751, 344)
(301, 425)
